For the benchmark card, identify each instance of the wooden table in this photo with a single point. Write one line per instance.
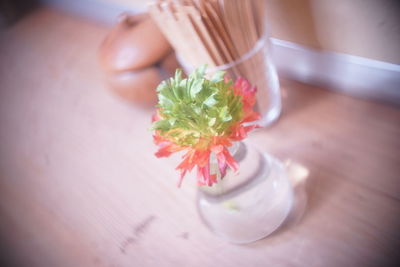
(80, 186)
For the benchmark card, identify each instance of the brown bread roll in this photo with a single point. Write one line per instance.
(133, 44)
(137, 87)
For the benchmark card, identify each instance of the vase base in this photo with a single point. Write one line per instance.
(253, 211)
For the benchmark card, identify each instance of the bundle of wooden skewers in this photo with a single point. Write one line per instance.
(224, 34)
(212, 32)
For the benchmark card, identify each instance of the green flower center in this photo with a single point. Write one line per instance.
(197, 108)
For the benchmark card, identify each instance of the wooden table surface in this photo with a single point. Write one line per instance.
(80, 186)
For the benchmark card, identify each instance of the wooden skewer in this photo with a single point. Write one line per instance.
(251, 39)
(205, 25)
(162, 14)
(196, 42)
(220, 31)
(205, 36)
(227, 47)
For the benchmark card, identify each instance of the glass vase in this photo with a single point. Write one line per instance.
(250, 204)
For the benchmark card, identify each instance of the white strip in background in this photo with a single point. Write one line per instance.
(354, 75)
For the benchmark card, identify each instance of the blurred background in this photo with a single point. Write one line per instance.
(79, 183)
(365, 28)
(333, 44)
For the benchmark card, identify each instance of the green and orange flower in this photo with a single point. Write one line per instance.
(203, 116)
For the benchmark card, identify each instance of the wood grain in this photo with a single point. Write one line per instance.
(79, 185)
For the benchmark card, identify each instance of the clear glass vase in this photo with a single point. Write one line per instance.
(248, 205)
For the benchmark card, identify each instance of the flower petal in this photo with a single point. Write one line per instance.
(183, 172)
(230, 160)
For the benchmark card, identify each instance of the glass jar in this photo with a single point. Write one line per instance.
(249, 56)
(248, 205)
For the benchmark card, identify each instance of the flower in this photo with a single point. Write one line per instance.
(203, 116)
